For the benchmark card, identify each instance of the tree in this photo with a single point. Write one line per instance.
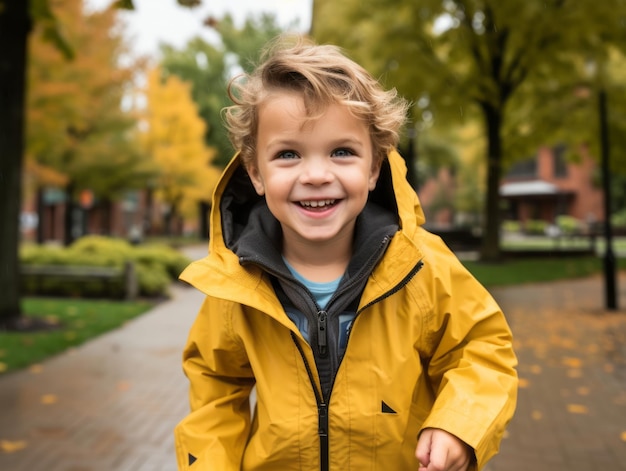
(14, 23)
(209, 67)
(76, 122)
(172, 134)
(16, 18)
(474, 58)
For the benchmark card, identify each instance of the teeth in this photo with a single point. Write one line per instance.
(317, 204)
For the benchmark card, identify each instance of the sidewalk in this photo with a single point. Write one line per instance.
(112, 403)
(571, 412)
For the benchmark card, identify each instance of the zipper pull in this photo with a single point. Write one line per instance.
(322, 411)
(322, 336)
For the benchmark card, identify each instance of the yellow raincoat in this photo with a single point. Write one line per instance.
(428, 348)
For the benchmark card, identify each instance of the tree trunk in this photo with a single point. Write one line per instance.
(14, 28)
(490, 250)
(68, 220)
(41, 216)
(107, 216)
(167, 222)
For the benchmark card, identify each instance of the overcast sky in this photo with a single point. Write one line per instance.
(156, 21)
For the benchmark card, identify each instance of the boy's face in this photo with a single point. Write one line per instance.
(315, 176)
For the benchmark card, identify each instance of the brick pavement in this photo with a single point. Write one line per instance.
(119, 396)
(571, 412)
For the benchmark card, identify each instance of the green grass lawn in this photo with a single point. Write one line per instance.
(78, 321)
(519, 271)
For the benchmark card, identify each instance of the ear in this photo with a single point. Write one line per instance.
(256, 179)
(374, 174)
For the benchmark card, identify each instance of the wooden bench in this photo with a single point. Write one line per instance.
(126, 275)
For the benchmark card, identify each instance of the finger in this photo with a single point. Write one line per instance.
(423, 450)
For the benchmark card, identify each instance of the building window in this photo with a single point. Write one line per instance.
(523, 169)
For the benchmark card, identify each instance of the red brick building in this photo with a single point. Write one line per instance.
(549, 186)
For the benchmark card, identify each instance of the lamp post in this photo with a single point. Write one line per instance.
(609, 256)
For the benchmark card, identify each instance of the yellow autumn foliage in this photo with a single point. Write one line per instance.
(172, 134)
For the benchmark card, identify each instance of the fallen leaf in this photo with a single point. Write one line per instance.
(536, 369)
(35, 369)
(3, 367)
(623, 436)
(577, 409)
(10, 447)
(523, 383)
(609, 368)
(574, 373)
(537, 415)
(49, 399)
(583, 391)
(572, 362)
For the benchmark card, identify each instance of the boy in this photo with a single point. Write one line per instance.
(369, 344)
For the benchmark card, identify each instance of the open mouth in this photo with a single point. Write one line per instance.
(317, 204)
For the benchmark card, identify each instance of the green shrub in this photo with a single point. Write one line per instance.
(44, 255)
(95, 243)
(153, 279)
(535, 227)
(511, 226)
(156, 267)
(568, 225)
(172, 260)
(618, 219)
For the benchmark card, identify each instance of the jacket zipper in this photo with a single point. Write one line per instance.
(322, 333)
(322, 406)
(396, 288)
(322, 410)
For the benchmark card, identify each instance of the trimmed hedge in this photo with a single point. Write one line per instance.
(156, 266)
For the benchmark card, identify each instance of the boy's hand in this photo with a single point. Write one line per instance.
(438, 450)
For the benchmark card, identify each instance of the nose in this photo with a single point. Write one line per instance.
(316, 171)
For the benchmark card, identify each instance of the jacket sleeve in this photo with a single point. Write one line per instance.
(472, 364)
(214, 434)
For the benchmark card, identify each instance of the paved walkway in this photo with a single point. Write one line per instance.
(112, 403)
(571, 412)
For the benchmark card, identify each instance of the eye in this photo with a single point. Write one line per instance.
(287, 154)
(343, 152)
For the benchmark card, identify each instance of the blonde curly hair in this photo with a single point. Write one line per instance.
(323, 75)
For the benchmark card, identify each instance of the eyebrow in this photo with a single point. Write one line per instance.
(339, 142)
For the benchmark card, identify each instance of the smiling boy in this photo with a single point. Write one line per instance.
(369, 344)
(316, 177)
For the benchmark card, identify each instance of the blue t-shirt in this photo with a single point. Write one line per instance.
(322, 292)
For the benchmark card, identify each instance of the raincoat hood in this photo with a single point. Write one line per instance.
(234, 198)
